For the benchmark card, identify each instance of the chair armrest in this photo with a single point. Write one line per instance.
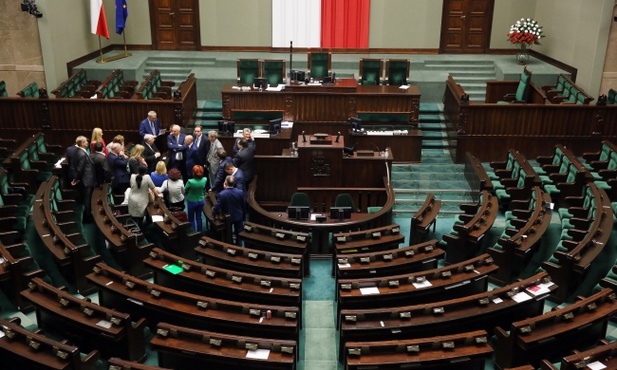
(558, 177)
(518, 223)
(608, 174)
(8, 211)
(577, 235)
(522, 214)
(469, 208)
(581, 223)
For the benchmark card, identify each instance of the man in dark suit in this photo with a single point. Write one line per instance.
(120, 175)
(231, 202)
(176, 148)
(238, 175)
(69, 160)
(83, 179)
(202, 144)
(150, 125)
(192, 156)
(245, 160)
(219, 179)
(151, 153)
(102, 172)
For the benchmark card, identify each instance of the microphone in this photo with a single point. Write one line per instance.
(303, 137)
(338, 135)
(349, 151)
(375, 146)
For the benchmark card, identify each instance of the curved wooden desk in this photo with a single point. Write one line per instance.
(321, 230)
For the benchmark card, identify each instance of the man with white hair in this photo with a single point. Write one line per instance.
(151, 153)
(150, 125)
(176, 148)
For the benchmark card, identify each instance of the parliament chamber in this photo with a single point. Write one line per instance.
(431, 300)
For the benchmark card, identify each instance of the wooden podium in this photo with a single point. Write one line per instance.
(320, 160)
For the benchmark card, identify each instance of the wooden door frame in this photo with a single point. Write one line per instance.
(490, 8)
(152, 12)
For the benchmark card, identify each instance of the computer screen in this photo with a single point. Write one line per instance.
(260, 83)
(298, 212)
(340, 213)
(226, 128)
(297, 75)
(274, 126)
(356, 124)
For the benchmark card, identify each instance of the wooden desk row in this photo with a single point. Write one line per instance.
(176, 272)
(481, 311)
(248, 260)
(88, 325)
(466, 243)
(22, 349)
(157, 303)
(551, 335)
(513, 253)
(567, 268)
(453, 281)
(114, 222)
(63, 239)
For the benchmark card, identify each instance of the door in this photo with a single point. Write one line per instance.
(175, 24)
(466, 26)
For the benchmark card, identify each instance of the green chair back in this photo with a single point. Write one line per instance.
(300, 199)
(371, 71)
(247, 70)
(611, 97)
(3, 92)
(344, 200)
(274, 71)
(397, 71)
(319, 64)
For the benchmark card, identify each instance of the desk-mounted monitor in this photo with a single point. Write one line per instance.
(356, 124)
(274, 126)
(298, 212)
(297, 75)
(227, 128)
(260, 83)
(340, 213)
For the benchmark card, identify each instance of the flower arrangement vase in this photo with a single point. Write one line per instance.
(522, 55)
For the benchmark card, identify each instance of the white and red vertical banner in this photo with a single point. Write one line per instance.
(320, 23)
(345, 23)
(98, 21)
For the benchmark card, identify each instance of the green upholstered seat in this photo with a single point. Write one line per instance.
(319, 64)
(397, 71)
(522, 89)
(611, 97)
(344, 200)
(30, 91)
(274, 71)
(370, 71)
(300, 199)
(248, 70)
(3, 92)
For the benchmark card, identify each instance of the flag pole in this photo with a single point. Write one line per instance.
(101, 59)
(118, 56)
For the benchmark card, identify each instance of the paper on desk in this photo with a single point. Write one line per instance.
(278, 87)
(157, 218)
(424, 284)
(260, 354)
(344, 265)
(404, 87)
(104, 324)
(521, 297)
(369, 290)
(596, 365)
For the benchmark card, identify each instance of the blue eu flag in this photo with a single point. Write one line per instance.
(122, 12)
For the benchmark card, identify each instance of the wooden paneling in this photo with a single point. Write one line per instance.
(325, 103)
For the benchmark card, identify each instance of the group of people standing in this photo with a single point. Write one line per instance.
(145, 172)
